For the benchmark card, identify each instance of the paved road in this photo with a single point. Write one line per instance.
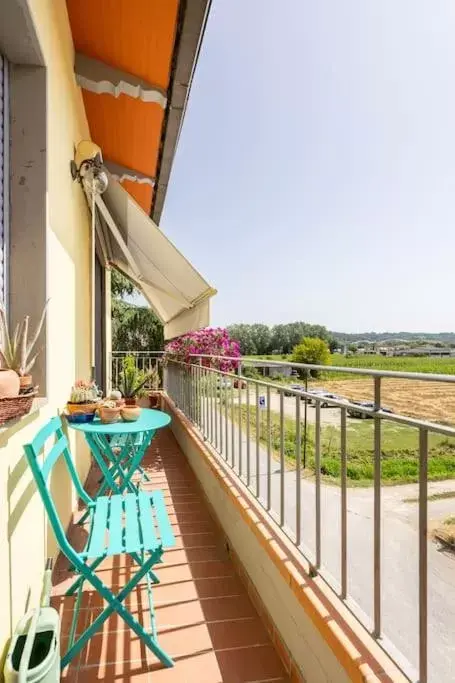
(399, 549)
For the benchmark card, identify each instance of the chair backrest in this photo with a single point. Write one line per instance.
(41, 471)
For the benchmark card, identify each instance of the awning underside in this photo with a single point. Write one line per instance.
(137, 247)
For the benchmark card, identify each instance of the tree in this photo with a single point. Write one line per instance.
(120, 285)
(313, 351)
(134, 328)
(244, 336)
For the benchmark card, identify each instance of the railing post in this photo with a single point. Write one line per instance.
(377, 510)
(423, 556)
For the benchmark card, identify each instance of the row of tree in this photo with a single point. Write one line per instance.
(259, 339)
(137, 328)
(134, 328)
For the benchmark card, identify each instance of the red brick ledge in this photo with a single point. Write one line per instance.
(361, 657)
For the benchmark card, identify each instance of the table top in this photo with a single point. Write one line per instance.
(148, 420)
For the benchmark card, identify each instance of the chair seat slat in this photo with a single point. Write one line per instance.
(132, 538)
(165, 529)
(116, 543)
(149, 538)
(98, 536)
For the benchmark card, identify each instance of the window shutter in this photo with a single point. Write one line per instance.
(4, 178)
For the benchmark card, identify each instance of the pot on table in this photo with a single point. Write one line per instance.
(109, 415)
(82, 407)
(130, 413)
(9, 384)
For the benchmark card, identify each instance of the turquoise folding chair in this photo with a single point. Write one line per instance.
(135, 524)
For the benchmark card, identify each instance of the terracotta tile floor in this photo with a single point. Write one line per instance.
(204, 616)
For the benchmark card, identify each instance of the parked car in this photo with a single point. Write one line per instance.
(315, 392)
(322, 394)
(352, 412)
(296, 387)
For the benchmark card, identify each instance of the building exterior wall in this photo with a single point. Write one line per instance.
(25, 540)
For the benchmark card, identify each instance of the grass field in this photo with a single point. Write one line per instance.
(400, 460)
(441, 366)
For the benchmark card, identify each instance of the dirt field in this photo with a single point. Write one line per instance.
(430, 400)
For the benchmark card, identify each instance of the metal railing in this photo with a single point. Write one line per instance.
(144, 361)
(234, 414)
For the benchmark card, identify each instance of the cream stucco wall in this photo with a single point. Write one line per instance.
(24, 538)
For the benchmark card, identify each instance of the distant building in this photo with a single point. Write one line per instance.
(433, 351)
(272, 370)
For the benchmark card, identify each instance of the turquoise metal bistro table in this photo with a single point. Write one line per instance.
(118, 448)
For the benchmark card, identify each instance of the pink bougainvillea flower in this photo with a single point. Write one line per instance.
(211, 344)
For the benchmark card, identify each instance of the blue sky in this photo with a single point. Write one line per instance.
(315, 175)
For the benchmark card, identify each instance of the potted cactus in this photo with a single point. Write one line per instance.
(18, 355)
(84, 398)
(132, 381)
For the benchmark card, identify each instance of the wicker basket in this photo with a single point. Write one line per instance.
(12, 408)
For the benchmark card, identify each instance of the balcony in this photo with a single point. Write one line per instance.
(275, 577)
(358, 563)
(207, 617)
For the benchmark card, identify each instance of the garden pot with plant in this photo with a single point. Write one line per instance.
(17, 356)
(84, 398)
(109, 412)
(132, 381)
(154, 394)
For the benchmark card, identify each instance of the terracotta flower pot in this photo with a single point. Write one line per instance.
(130, 401)
(109, 415)
(82, 407)
(154, 399)
(130, 413)
(9, 384)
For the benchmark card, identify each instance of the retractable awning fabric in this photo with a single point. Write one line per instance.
(136, 246)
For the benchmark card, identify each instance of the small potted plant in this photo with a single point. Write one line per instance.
(109, 411)
(84, 398)
(132, 381)
(18, 355)
(154, 393)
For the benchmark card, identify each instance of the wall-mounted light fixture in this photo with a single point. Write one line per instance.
(87, 167)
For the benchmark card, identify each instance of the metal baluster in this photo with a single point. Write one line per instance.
(215, 406)
(239, 392)
(423, 556)
(207, 418)
(257, 441)
(199, 397)
(232, 425)
(282, 462)
(377, 510)
(210, 381)
(269, 452)
(317, 465)
(248, 464)
(298, 481)
(226, 430)
(344, 507)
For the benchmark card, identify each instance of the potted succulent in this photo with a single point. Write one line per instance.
(109, 411)
(154, 394)
(132, 381)
(18, 355)
(84, 398)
